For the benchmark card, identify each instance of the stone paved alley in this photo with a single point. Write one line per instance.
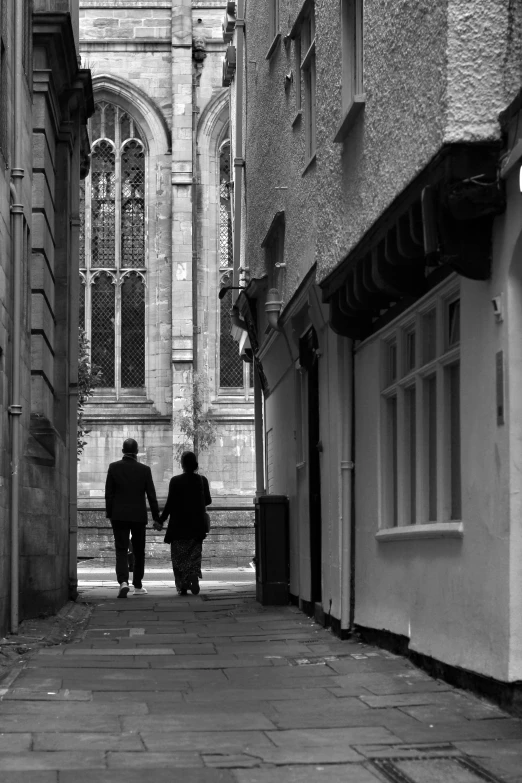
(218, 689)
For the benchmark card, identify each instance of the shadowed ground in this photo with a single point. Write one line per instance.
(218, 689)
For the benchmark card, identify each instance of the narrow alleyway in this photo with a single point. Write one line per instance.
(217, 689)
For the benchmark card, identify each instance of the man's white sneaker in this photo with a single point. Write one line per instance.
(124, 589)
(131, 589)
(140, 591)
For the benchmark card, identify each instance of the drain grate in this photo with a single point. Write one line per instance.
(440, 769)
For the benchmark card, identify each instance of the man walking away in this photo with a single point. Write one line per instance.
(127, 484)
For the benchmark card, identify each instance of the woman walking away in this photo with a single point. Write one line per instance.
(188, 497)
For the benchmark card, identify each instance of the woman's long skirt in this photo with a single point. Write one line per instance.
(186, 561)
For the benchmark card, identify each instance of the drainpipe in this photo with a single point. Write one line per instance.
(239, 161)
(258, 433)
(15, 409)
(73, 370)
(352, 492)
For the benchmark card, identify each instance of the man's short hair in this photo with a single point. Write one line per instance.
(130, 446)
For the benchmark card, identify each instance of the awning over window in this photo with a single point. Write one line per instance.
(443, 220)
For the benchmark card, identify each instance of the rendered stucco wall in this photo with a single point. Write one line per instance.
(434, 73)
(449, 596)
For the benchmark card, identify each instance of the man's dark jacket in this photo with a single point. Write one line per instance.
(128, 481)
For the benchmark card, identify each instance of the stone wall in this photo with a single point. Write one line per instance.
(230, 542)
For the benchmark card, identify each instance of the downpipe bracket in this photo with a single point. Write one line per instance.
(15, 410)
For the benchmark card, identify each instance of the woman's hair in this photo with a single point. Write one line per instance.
(189, 462)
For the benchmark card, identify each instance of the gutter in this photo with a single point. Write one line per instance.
(239, 161)
(15, 408)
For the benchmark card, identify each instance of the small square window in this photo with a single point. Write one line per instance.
(409, 351)
(429, 336)
(453, 323)
(390, 362)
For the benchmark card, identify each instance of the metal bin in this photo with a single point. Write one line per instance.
(272, 550)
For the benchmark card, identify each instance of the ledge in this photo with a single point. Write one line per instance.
(297, 118)
(273, 46)
(352, 112)
(309, 165)
(412, 532)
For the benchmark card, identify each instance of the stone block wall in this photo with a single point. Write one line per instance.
(230, 542)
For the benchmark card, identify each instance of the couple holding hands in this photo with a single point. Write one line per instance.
(128, 484)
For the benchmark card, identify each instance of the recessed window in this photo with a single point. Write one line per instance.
(421, 417)
(352, 51)
(112, 250)
(303, 33)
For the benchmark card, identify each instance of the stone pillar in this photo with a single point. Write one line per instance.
(182, 310)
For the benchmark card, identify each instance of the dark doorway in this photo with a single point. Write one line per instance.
(309, 360)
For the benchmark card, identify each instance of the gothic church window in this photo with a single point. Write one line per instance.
(112, 250)
(233, 373)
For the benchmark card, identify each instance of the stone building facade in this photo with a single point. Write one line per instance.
(382, 234)
(45, 101)
(156, 209)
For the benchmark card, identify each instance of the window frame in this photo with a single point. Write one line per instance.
(274, 27)
(225, 274)
(89, 273)
(396, 524)
(353, 96)
(304, 36)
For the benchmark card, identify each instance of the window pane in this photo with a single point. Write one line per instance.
(454, 416)
(102, 336)
(411, 457)
(133, 206)
(390, 367)
(96, 123)
(225, 221)
(103, 206)
(409, 351)
(430, 391)
(453, 323)
(110, 113)
(133, 332)
(393, 512)
(230, 362)
(81, 306)
(429, 336)
(82, 224)
(125, 127)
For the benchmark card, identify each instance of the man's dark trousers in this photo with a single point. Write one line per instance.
(122, 531)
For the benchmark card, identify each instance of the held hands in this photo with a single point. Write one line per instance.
(157, 526)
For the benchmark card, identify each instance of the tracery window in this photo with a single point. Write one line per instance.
(112, 250)
(233, 372)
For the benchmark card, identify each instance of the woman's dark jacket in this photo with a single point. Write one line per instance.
(188, 495)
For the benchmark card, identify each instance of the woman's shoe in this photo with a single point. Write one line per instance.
(194, 585)
(182, 592)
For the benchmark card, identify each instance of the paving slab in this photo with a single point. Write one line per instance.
(15, 743)
(79, 741)
(206, 741)
(201, 720)
(27, 762)
(332, 773)
(48, 776)
(185, 759)
(47, 709)
(161, 775)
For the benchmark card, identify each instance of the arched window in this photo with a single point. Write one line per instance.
(233, 374)
(112, 250)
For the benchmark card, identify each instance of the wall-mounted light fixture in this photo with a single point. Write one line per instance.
(273, 307)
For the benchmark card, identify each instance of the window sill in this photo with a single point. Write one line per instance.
(297, 118)
(309, 165)
(431, 530)
(273, 46)
(353, 111)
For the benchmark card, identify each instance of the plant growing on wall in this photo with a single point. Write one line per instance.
(198, 431)
(88, 378)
